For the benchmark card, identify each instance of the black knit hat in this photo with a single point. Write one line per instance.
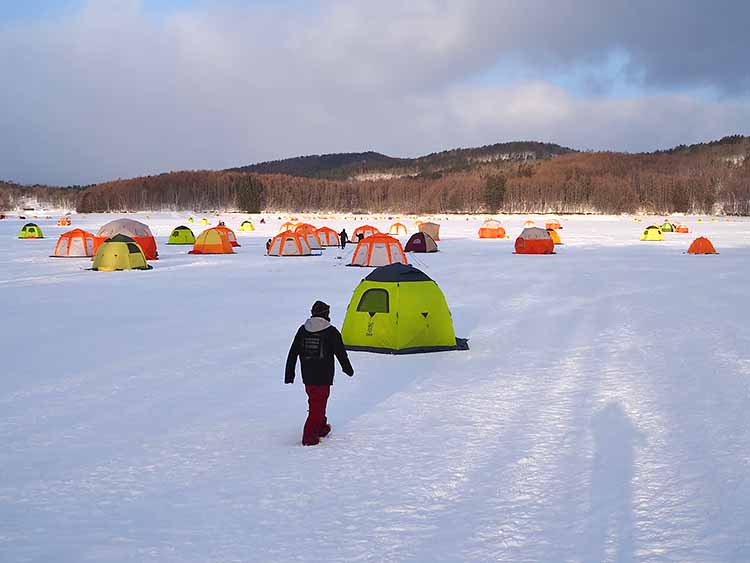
(320, 309)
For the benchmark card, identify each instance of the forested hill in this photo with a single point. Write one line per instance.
(372, 165)
(711, 177)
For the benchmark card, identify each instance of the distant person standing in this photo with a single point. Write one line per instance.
(344, 238)
(268, 245)
(316, 343)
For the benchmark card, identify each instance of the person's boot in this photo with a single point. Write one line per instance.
(312, 442)
(325, 430)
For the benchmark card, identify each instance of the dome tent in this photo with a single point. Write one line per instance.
(397, 229)
(312, 239)
(378, 250)
(289, 243)
(247, 227)
(229, 232)
(328, 237)
(534, 240)
(398, 309)
(136, 230)
(421, 242)
(63, 221)
(30, 230)
(554, 236)
(667, 227)
(432, 229)
(529, 224)
(553, 223)
(491, 229)
(212, 241)
(652, 233)
(119, 252)
(681, 229)
(181, 235)
(365, 231)
(288, 226)
(74, 244)
(702, 245)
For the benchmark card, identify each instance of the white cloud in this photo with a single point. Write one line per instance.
(108, 92)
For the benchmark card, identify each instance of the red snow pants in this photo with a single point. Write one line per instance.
(317, 399)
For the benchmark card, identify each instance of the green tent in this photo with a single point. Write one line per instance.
(398, 309)
(667, 228)
(30, 230)
(652, 233)
(119, 253)
(181, 235)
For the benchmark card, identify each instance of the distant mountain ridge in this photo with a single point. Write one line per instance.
(372, 165)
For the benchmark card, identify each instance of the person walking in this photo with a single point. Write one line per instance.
(344, 238)
(315, 344)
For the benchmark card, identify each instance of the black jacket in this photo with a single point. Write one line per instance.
(316, 343)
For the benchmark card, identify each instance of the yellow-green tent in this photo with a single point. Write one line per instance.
(247, 226)
(204, 221)
(30, 230)
(398, 309)
(652, 233)
(667, 227)
(119, 253)
(181, 235)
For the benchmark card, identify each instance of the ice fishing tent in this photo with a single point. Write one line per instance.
(289, 243)
(212, 241)
(681, 229)
(63, 221)
(181, 235)
(553, 223)
(432, 229)
(328, 237)
(398, 309)
(191, 220)
(365, 231)
(312, 239)
(204, 221)
(421, 242)
(397, 229)
(30, 230)
(378, 250)
(667, 228)
(554, 236)
(288, 226)
(247, 227)
(303, 228)
(119, 252)
(534, 240)
(491, 229)
(702, 245)
(652, 233)
(136, 230)
(230, 234)
(529, 224)
(74, 244)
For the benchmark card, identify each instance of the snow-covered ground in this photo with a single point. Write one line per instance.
(602, 413)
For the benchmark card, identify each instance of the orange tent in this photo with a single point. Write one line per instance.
(529, 224)
(230, 234)
(136, 230)
(432, 229)
(75, 244)
(378, 250)
(681, 229)
(288, 226)
(553, 224)
(64, 222)
(304, 228)
(328, 237)
(366, 230)
(534, 240)
(289, 243)
(397, 229)
(702, 245)
(491, 229)
(212, 241)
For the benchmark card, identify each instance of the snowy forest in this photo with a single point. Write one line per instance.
(706, 178)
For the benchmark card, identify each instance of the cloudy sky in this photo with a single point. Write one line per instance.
(101, 89)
